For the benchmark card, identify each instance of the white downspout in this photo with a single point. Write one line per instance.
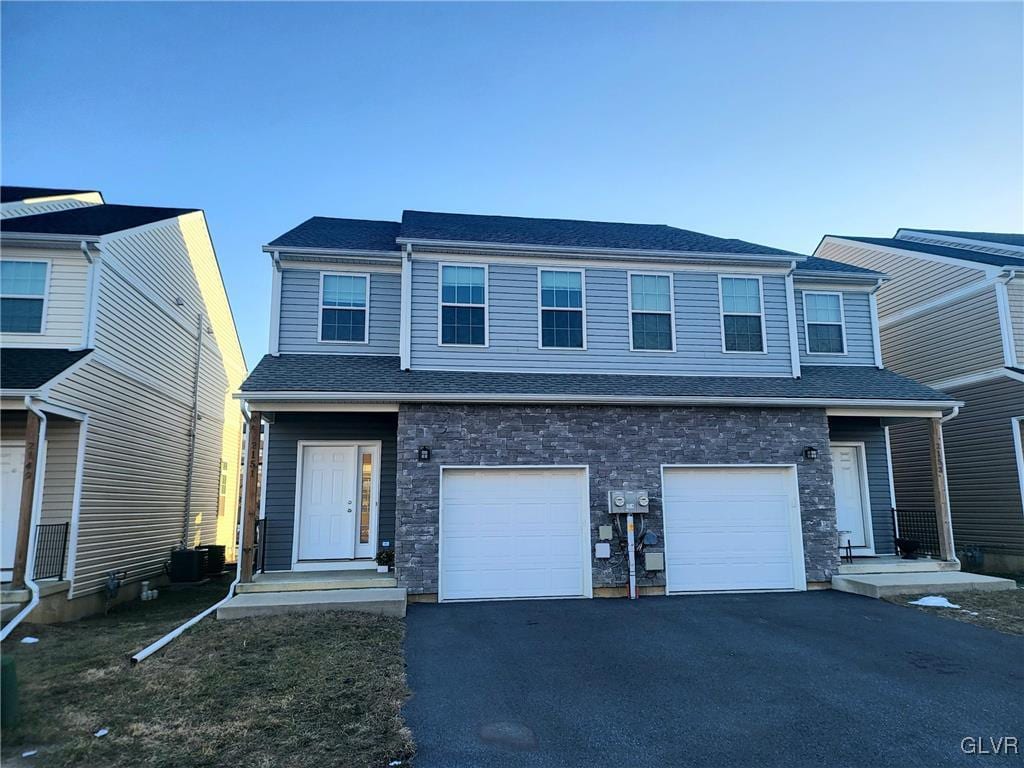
(945, 477)
(794, 341)
(91, 290)
(405, 322)
(152, 648)
(37, 505)
(1006, 318)
(876, 339)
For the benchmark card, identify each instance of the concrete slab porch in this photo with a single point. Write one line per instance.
(879, 585)
(383, 601)
(308, 581)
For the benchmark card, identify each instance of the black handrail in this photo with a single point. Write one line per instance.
(51, 550)
(260, 547)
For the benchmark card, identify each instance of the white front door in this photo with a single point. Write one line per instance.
(853, 519)
(732, 528)
(12, 465)
(328, 502)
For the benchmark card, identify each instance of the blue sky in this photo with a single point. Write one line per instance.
(774, 123)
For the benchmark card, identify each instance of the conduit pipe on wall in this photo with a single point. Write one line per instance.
(152, 648)
(37, 504)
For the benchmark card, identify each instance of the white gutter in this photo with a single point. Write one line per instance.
(951, 415)
(794, 342)
(152, 648)
(37, 504)
(405, 318)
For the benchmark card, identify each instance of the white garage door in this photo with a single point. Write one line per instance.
(508, 533)
(732, 528)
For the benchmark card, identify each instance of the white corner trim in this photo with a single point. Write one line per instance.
(275, 306)
(1018, 449)
(405, 312)
(888, 466)
(1006, 324)
(794, 342)
(76, 505)
(876, 337)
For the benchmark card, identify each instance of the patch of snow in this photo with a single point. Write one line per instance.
(934, 601)
(30, 753)
(969, 613)
(29, 640)
(101, 732)
(395, 762)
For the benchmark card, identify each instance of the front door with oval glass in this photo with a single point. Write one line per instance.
(337, 505)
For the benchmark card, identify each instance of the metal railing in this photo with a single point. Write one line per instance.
(51, 550)
(260, 546)
(918, 525)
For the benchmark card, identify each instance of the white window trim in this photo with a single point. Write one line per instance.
(321, 308)
(807, 323)
(671, 309)
(722, 313)
(582, 310)
(486, 305)
(45, 297)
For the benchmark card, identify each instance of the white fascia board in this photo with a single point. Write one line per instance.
(47, 240)
(819, 282)
(295, 252)
(620, 253)
(462, 397)
(987, 269)
(1014, 251)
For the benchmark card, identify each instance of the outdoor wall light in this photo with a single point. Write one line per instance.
(424, 453)
(811, 453)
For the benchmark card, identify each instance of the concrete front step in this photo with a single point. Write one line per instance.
(384, 601)
(317, 582)
(937, 583)
(892, 565)
(9, 610)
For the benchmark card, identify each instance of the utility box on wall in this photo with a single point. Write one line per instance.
(654, 561)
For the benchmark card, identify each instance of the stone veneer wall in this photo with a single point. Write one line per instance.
(624, 447)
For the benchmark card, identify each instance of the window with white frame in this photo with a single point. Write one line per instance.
(824, 324)
(22, 296)
(650, 312)
(344, 308)
(561, 309)
(742, 314)
(463, 305)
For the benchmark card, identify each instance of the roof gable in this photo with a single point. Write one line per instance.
(949, 252)
(92, 220)
(11, 194)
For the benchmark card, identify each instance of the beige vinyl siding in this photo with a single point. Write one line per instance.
(13, 210)
(951, 340)
(913, 280)
(984, 486)
(66, 298)
(1015, 292)
(59, 481)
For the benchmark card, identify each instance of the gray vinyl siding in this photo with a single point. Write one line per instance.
(285, 433)
(300, 312)
(914, 280)
(513, 336)
(984, 486)
(1015, 293)
(870, 432)
(860, 348)
(951, 340)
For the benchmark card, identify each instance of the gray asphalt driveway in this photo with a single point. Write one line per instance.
(815, 679)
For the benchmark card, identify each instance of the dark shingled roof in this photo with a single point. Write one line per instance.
(31, 368)
(1002, 238)
(979, 257)
(428, 225)
(345, 234)
(10, 194)
(815, 264)
(381, 374)
(91, 220)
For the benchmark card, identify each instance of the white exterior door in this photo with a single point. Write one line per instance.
(328, 502)
(853, 519)
(514, 533)
(12, 465)
(732, 528)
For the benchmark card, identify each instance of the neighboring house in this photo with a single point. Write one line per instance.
(952, 316)
(468, 389)
(119, 355)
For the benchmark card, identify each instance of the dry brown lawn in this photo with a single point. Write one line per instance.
(1001, 611)
(291, 691)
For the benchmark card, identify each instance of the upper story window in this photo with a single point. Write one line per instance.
(651, 312)
(22, 296)
(463, 305)
(824, 323)
(344, 307)
(742, 314)
(561, 309)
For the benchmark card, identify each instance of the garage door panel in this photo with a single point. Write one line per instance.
(732, 529)
(508, 533)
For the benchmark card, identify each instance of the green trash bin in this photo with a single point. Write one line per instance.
(8, 693)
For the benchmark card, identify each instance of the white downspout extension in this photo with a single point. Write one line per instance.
(1006, 319)
(274, 343)
(876, 339)
(152, 648)
(794, 342)
(405, 324)
(945, 477)
(37, 505)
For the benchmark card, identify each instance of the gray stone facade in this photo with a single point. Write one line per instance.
(624, 446)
